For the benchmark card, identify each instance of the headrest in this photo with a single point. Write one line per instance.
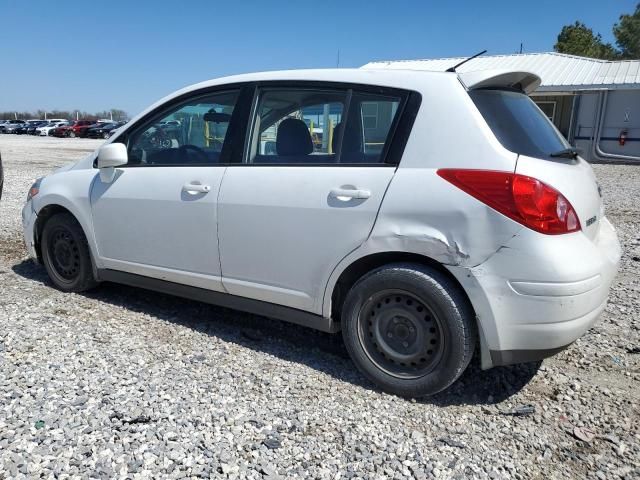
(293, 138)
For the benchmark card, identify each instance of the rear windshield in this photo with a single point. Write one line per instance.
(518, 123)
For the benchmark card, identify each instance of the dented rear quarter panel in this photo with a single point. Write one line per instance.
(424, 214)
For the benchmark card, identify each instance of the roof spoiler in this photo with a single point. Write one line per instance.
(525, 81)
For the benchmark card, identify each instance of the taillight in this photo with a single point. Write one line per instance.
(524, 199)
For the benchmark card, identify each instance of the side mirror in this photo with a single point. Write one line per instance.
(110, 156)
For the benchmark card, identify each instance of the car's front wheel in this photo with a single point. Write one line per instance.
(66, 255)
(409, 329)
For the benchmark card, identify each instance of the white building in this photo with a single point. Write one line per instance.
(594, 103)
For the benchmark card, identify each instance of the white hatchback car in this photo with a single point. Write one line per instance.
(422, 213)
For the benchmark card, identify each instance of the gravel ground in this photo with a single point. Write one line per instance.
(124, 383)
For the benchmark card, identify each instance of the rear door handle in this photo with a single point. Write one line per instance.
(195, 188)
(346, 194)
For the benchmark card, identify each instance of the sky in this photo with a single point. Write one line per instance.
(94, 55)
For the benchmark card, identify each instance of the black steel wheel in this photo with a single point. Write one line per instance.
(401, 334)
(409, 328)
(63, 250)
(66, 255)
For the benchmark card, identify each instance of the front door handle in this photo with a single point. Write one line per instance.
(346, 194)
(195, 188)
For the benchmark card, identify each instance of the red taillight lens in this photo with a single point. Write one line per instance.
(521, 198)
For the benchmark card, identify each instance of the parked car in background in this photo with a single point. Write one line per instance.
(417, 249)
(9, 126)
(31, 129)
(96, 131)
(44, 130)
(104, 131)
(83, 130)
(76, 126)
(23, 130)
(61, 131)
(71, 129)
(170, 124)
(113, 131)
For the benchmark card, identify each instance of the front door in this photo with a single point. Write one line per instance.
(308, 193)
(158, 216)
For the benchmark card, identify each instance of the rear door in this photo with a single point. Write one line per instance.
(316, 168)
(524, 129)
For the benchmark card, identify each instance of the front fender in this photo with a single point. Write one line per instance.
(71, 190)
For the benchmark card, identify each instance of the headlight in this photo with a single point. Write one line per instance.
(35, 189)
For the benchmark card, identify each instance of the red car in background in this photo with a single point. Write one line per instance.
(72, 130)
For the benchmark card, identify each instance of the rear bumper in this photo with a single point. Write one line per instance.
(539, 293)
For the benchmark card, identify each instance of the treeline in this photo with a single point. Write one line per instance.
(578, 39)
(115, 113)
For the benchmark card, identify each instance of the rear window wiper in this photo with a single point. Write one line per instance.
(570, 152)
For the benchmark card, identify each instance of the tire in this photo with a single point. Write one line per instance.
(71, 134)
(409, 329)
(66, 255)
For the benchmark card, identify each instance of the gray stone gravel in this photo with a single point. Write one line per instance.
(124, 383)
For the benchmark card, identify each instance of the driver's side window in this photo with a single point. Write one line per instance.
(192, 132)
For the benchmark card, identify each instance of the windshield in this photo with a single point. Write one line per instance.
(518, 123)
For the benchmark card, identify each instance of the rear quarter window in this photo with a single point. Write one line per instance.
(518, 123)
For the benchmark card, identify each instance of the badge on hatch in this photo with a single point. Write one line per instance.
(591, 221)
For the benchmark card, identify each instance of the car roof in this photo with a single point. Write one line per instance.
(406, 79)
(417, 80)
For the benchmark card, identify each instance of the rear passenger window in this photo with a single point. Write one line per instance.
(307, 126)
(377, 115)
(296, 126)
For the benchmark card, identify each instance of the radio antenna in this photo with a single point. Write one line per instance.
(453, 69)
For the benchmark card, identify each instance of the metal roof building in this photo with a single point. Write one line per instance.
(559, 72)
(594, 103)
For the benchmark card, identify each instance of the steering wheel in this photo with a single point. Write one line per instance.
(182, 149)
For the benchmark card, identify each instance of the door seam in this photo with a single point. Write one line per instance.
(373, 225)
(219, 193)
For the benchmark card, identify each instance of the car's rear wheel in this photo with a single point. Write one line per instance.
(409, 329)
(71, 134)
(66, 255)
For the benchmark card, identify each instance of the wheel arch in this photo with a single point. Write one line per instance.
(44, 214)
(336, 292)
(362, 265)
